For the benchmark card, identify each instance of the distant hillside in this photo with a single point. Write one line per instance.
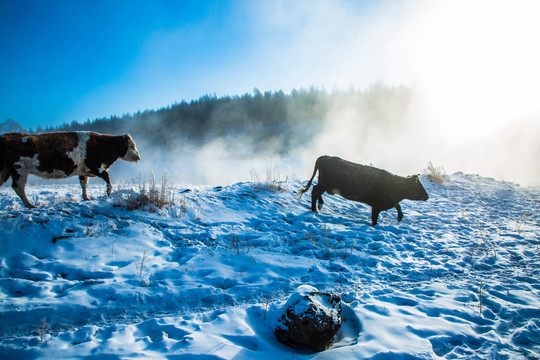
(10, 126)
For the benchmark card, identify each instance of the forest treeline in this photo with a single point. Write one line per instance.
(265, 122)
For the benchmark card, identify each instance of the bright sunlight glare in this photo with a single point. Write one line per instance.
(476, 63)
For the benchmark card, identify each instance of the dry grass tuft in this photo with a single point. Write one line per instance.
(270, 182)
(435, 174)
(150, 196)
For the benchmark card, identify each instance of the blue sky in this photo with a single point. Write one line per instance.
(78, 60)
(474, 63)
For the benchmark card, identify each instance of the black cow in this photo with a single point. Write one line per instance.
(60, 155)
(378, 188)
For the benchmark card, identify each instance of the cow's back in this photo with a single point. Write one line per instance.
(59, 152)
(48, 154)
(353, 181)
(15, 146)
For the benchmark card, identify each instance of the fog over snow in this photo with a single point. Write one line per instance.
(472, 67)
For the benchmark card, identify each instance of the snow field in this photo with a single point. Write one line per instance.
(457, 278)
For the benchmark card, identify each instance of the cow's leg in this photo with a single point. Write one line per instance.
(84, 185)
(19, 181)
(399, 213)
(316, 195)
(374, 215)
(105, 176)
(321, 202)
(4, 176)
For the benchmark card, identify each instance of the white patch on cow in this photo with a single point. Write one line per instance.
(103, 168)
(24, 139)
(78, 155)
(30, 165)
(26, 165)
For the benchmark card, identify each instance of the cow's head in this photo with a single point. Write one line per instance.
(132, 154)
(415, 189)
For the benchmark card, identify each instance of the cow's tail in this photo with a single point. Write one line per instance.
(304, 190)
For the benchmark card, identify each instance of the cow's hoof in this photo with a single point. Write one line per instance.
(86, 199)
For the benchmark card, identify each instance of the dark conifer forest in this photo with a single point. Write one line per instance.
(264, 122)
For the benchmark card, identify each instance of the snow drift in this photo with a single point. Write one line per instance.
(204, 278)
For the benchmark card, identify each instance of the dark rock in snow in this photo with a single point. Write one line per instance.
(309, 319)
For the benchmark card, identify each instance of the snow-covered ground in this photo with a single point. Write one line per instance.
(459, 277)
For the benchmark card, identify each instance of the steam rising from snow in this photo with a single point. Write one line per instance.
(473, 68)
(472, 65)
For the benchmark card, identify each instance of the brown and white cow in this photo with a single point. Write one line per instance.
(376, 187)
(60, 155)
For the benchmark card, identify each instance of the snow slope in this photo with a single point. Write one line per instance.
(457, 278)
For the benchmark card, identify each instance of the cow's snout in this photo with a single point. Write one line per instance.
(132, 155)
(135, 157)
